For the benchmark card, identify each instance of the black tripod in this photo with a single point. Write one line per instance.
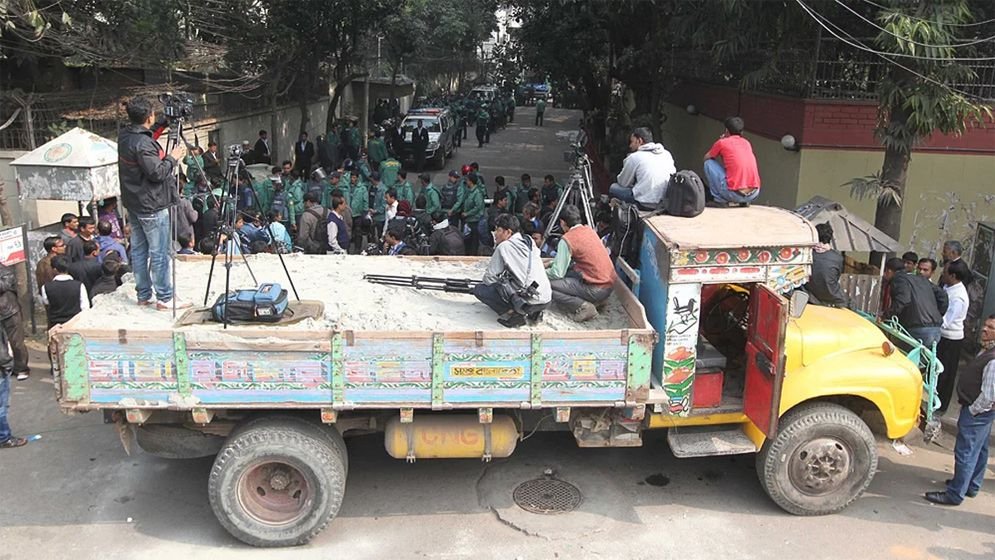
(578, 193)
(228, 216)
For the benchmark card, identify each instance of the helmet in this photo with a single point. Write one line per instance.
(465, 169)
(347, 164)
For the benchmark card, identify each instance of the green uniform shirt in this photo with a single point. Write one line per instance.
(364, 170)
(433, 199)
(541, 106)
(406, 191)
(561, 263)
(483, 118)
(380, 202)
(388, 171)
(377, 150)
(460, 197)
(295, 199)
(355, 138)
(342, 188)
(473, 205)
(264, 194)
(360, 200)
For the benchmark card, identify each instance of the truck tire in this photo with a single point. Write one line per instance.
(176, 442)
(277, 482)
(822, 458)
(439, 158)
(292, 422)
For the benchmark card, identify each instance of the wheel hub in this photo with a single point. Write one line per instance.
(273, 492)
(820, 466)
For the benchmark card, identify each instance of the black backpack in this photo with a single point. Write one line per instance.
(318, 244)
(626, 234)
(449, 194)
(685, 195)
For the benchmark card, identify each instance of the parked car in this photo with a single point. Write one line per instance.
(441, 127)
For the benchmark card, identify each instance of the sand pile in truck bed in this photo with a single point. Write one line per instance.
(350, 302)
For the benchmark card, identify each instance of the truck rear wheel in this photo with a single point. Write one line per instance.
(278, 482)
(822, 458)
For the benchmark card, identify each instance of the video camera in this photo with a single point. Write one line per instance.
(177, 106)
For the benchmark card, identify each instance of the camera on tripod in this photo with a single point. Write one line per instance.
(177, 106)
(235, 151)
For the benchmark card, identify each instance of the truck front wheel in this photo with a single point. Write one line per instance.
(822, 458)
(277, 484)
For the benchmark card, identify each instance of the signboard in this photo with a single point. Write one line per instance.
(12, 250)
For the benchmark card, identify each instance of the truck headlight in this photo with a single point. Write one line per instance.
(432, 146)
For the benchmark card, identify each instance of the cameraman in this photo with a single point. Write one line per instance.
(515, 283)
(148, 190)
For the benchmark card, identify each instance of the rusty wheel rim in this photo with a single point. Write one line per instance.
(274, 492)
(820, 466)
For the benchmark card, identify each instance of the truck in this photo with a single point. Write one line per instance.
(720, 349)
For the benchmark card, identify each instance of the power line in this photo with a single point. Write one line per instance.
(885, 56)
(974, 24)
(913, 41)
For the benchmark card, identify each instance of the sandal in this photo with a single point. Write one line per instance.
(13, 442)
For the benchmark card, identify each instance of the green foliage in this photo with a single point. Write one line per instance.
(922, 97)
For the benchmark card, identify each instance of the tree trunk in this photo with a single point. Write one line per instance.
(274, 122)
(894, 172)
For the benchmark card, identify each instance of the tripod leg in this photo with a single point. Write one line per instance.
(249, 268)
(279, 254)
(210, 274)
(554, 218)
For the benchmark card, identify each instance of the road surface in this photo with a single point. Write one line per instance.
(75, 494)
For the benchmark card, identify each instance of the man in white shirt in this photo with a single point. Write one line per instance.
(390, 209)
(948, 350)
(645, 173)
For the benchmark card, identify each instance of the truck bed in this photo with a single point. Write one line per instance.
(308, 366)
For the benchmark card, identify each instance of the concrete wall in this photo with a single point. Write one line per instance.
(688, 137)
(949, 188)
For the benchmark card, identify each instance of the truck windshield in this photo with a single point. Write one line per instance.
(430, 123)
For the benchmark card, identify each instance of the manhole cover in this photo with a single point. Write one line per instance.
(547, 496)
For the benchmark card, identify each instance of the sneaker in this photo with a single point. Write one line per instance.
(514, 321)
(744, 204)
(168, 305)
(23, 375)
(585, 312)
(13, 442)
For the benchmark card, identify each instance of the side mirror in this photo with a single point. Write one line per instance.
(796, 306)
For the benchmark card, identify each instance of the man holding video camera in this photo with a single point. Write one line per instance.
(148, 190)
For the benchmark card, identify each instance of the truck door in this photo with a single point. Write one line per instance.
(765, 358)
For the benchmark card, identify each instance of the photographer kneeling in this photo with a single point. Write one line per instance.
(582, 275)
(515, 283)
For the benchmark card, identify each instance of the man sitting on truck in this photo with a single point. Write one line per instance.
(581, 276)
(736, 179)
(645, 172)
(514, 285)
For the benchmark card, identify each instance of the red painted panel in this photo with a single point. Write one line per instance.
(764, 357)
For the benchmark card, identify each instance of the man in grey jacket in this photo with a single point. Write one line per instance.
(515, 266)
(827, 266)
(148, 189)
(645, 173)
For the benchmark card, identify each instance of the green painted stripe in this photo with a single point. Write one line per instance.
(537, 367)
(75, 370)
(338, 369)
(438, 369)
(640, 364)
(181, 361)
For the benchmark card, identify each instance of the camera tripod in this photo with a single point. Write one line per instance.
(577, 192)
(228, 217)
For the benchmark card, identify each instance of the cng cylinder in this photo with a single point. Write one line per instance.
(450, 436)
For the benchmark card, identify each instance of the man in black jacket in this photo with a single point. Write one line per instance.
(419, 143)
(303, 155)
(918, 304)
(13, 324)
(7, 440)
(827, 265)
(261, 149)
(148, 190)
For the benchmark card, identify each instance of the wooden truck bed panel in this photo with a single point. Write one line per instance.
(283, 367)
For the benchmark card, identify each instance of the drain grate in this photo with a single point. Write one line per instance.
(547, 496)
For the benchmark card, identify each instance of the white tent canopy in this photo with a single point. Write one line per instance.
(78, 165)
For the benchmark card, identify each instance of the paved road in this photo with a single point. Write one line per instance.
(75, 494)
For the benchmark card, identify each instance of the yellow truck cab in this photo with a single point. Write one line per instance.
(744, 365)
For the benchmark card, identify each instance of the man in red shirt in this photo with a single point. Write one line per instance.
(736, 178)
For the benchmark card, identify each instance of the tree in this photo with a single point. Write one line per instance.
(917, 97)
